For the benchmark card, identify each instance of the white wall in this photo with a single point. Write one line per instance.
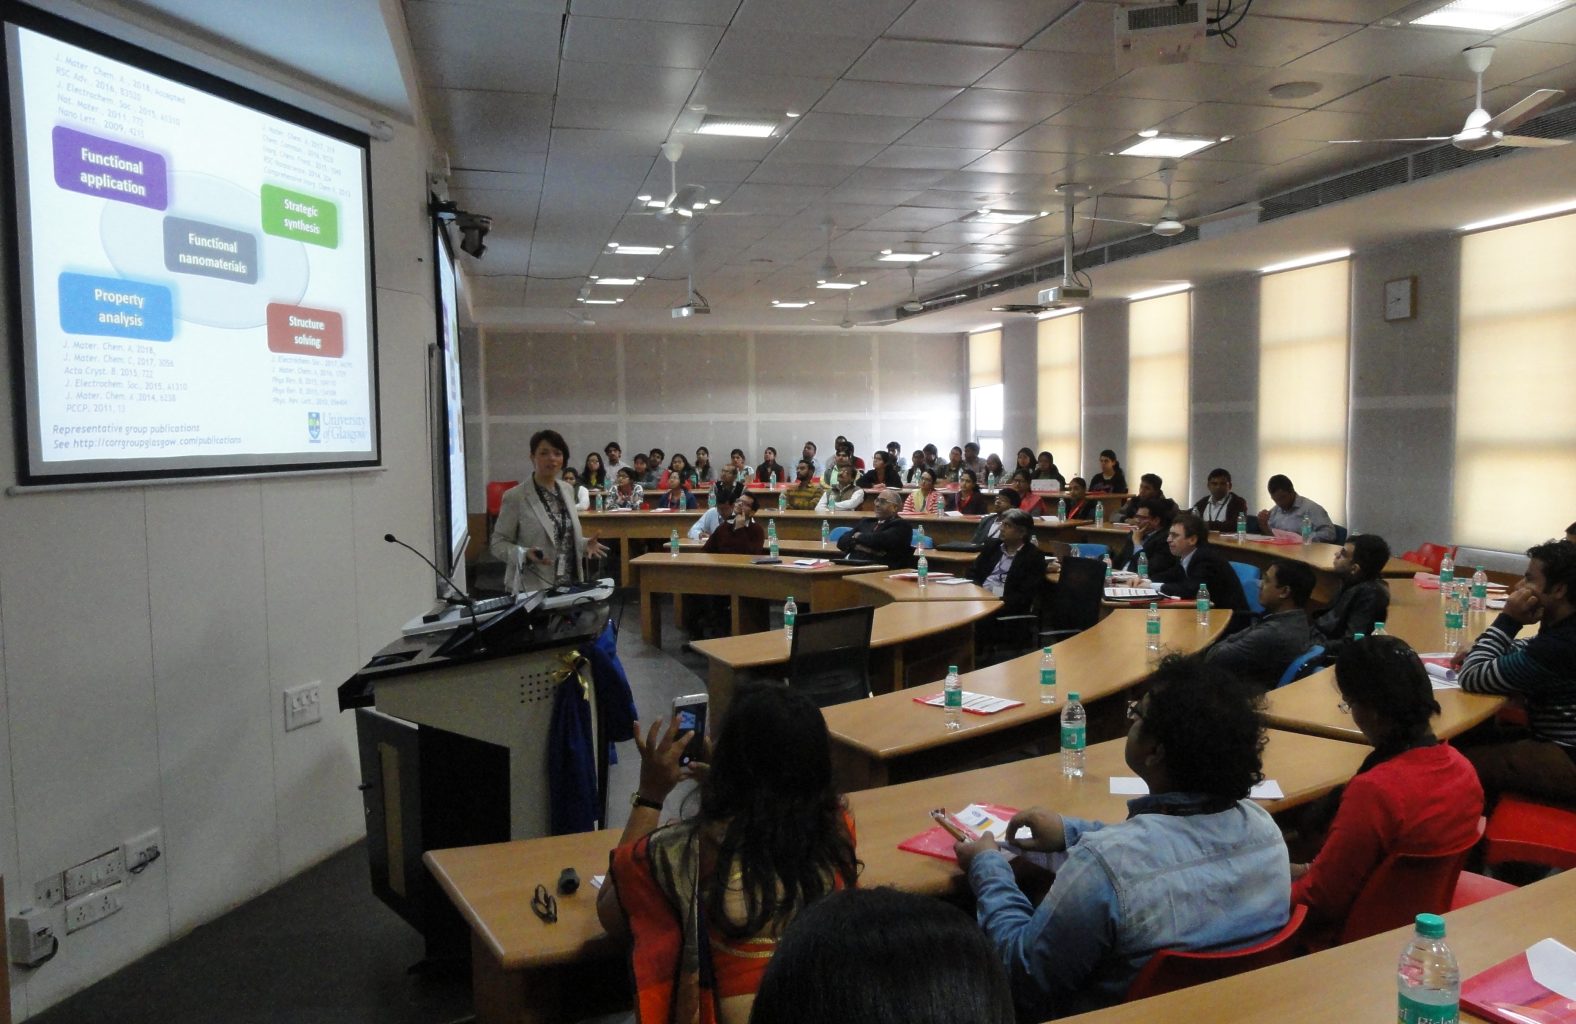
(147, 635)
(722, 390)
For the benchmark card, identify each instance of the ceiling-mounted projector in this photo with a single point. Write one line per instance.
(1064, 294)
(689, 309)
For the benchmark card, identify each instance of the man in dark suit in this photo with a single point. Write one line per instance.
(990, 526)
(883, 537)
(1222, 507)
(1199, 562)
(1149, 521)
(1010, 566)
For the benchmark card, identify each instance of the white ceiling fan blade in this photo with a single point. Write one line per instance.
(1131, 195)
(1532, 142)
(1235, 211)
(1120, 220)
(875, 323)
(1519, 112)
(1424, 138)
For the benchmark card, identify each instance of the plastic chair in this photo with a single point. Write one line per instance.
(1094, 551)
(1250, 576)
(1430, 555)
(1472, 888)
(838, 532)
(1401, 887)
(1341, 533)
(495, 489)
(1530, 831)
(1306, 662)
(1073, 604)
(1169, 970)
(830, 657)
(927, 541)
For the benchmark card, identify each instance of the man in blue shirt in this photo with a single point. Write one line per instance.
(1289, 509)
(1197, 865)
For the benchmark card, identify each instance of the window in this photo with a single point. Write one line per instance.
(987, 398)
(1304, 353)
(1059, 420)
(1515, 480)
(1158, 385)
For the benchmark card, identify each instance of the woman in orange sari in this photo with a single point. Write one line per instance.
(702, 901)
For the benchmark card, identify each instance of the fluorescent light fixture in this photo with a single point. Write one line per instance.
(888, 256)
(1520, 215)
(793, 113)
(655, 204)
(1485, 15)
(601, 302)
(1168, 147)
(792, 304)
(619, 282)
(638, 250)
(985, 327)
(986, 215)
(643, 199)
(840, 285)
(1052, 314)
(1165, 289)
(742, 127)
(1307, 261)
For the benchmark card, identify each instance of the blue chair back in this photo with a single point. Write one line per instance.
(1341, 533)
(927, 541)
(1306, 661)
(1249, 575)
(1090, 550)
(838, 533)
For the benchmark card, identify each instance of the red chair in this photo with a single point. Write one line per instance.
(1169, 970)
(1532, 832)
(1401, 887)
(1472, 888)
(495, 489)
(1430, 555)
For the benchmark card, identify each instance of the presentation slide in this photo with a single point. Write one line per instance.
(194, 270)
(453, 405)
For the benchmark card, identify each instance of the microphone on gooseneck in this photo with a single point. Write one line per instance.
(460, 595)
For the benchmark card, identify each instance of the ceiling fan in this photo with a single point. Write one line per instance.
(683, 202)
(1482, 131)
(848, 322)
(1170, 223)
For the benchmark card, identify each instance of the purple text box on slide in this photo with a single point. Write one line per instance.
(108, 169)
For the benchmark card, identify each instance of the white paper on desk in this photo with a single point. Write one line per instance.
(1128, 593)
(1553, 965)
(1287, 535)
(1121, 785)
(1050, 520)
(952, 581)
(597, 880)
(952, 514)
(1442, 677)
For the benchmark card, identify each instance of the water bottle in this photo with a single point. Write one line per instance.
(1099, 512)
(923, 571)
(953, 699)
(771, 529)
(1379, 630)
(1427, 980)
(1152, 631)
(1203, 604)
(920, 534)
(771, 481)
(1479, 590)
(1357, 636)
(1061, 509)
(826, 532)
(1143, 568)
(1307, 528)
(1074, 733)
(1109, 568)
(673, 544)
(772, 548)
(1242, 527)
(599, 504)
(1048, 677)
(711, 498)
(1447, 575)
(1454, 623)
(782, 501)
(790, 613)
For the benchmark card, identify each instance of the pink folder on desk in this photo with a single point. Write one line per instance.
(1507, 992)
(937, 842)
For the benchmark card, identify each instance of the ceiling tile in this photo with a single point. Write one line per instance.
(892, 178)
(990, 184)
(1255, 149)
(775, 198)
(1010, 161)
(782, 172)
(1391, 51)
(852, 127)
(1035, 71)
(1317, 125)
(520, 180)
(493, 131)
(953, 200)
(740, 93)
(689, 12)
(1003, 105)
(912, 218)
(796, 53)
(1270, 42)
(1196, 81)
(653, 123)
(860, 195)
(1556, 27)
(900, 60)
(1226, 119)
(1331, 85)
(1086, 28)
(1433, 96)
(616, 83)
(961, 134)
(496, 289)
(926, 156)
(518, 206)
(888, 98)
(797, 148)
(530, 67)
(990, 22)
(1062, 138)
(725, 147)
(626, 41)
(1118, 112)
(865, 19)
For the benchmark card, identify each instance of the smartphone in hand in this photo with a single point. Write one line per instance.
(690, 713)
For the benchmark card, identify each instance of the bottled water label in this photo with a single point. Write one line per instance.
(1416, 1011)
(954, 699)
(1073, 735)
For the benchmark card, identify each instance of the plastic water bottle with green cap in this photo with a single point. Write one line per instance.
(1479, 590)
(790, 616)
(952, 700)
(1074, 735)
(1143, 568)
(1109, 568)
(673, 544)
(1061, 509)
(1048, 676)
(1203, 604)
(1428, 982)
(1447, 575)
(1152, 633)
(922, 571)
(1099, 512)
(711, 498)
(826, 532)
(599, 505)
(1242, 527)
(1307, 528)
(1379, 630)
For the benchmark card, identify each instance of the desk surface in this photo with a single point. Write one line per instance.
(887, 590)
(1356, 982)
(894, 624)
(491, 885)
(735, 565)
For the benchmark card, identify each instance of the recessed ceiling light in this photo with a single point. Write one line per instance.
(742, 127)
(1511, 218)
(656, 204)
(1307, 261)
(1167, 147)
(793, 113)
(620, 282)
(1294, 90)
(1485, 15)
(1148, 133)
(792, 304)
(839, 285)
(601, 302)
(643, 199)
(888, 256)
(638, 250)
(1155, 293)
(990, 216)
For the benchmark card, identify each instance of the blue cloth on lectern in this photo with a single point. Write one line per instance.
(571, 761)
(613, 696)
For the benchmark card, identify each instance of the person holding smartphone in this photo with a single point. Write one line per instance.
(741, 535)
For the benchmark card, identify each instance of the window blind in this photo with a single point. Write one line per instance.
(984, 359)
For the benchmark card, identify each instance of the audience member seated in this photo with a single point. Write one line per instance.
(916, 466)
(1199, 563)
(1024, 461)
(702, 902)
(880, 474)
(741, 535)
(1412, 795)
(805, 493)
(1221, 507)
(972, 460)
(743, 470)
(994, 470)
(582, 496)
(770, 468)
(1151, 521)
(881, 956)
(1149, 486)
(1364, 598)
(1010, 566)
(594, 474)
(614, 454)
(970, 501)
(1079, 504)
(656, 458)
(808, 455)
(649, 477)
(990, 526)
(679, 469)
(626, 493)
(1045, 469)
(726, 490)
(883, 537)
(842, 493)
(1110, 479)
(704, 473)
(1028, 501)
(1541, 670)
(1261, 653)
(926, 501)
(1197, 865)
(1290, 507)
(895, 456)
(846, 447)
(676, 498)
(955, 466)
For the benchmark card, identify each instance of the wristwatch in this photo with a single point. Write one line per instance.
(636, 800)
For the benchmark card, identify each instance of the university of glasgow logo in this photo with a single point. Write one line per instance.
(314, 426)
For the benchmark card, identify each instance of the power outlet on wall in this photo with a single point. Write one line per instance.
(94, 907)
(105, 869)
(138, 853)
(303, 705)
(51, 891)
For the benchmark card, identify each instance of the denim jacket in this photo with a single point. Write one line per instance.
(1166, 878)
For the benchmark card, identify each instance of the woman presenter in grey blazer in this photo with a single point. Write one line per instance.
(538, 529)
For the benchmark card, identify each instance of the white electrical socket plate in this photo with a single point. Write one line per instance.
(106, 868)
(94, 907)
(303, 705)
(51, 891)
(141, 850)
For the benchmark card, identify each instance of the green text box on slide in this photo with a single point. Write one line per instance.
(303, 217)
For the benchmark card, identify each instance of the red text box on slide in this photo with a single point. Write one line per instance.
(302, 331)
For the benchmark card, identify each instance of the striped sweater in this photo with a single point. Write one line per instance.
(1541, 670)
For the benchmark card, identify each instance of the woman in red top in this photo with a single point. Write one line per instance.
(703, 901)
(1413, 794)
(970, 501)
(926, 501)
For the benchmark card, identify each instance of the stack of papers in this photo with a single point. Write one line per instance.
(974, 703)
(952, 581)
(809, 563)
(1440, 674)
(1131, 593)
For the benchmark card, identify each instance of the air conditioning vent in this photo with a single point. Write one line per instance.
(1163, 16)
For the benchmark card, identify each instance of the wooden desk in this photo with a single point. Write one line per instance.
(746, 584)
(906, 639)
(1356, 982)
(956, 562)
(891, 737)
(1319, 557)
(635, 529)
(524, 970)
(880, 588)
(945, 529)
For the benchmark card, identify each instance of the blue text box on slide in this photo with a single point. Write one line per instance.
(211, 250)
(113, 307)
